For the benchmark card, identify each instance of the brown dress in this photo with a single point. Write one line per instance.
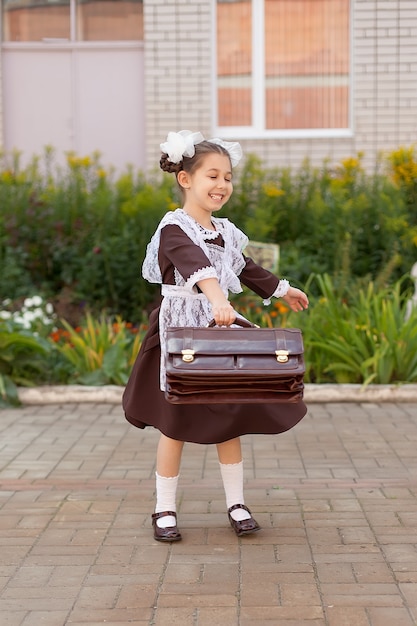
(143, 401)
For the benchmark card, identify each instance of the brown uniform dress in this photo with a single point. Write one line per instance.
(143, 401)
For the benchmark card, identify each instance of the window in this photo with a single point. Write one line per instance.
(283, 67)
(72, 20)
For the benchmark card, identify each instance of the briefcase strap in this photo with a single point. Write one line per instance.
(281, 351)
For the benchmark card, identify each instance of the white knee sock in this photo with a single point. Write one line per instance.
(166, 491)
(232, 475)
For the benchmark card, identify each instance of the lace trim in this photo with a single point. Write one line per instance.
(209, 233)
(215, 246)
(181, 305)
(234, 243)
(204, 272)
(279, 292)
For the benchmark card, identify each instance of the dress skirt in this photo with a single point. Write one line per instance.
(144, 405)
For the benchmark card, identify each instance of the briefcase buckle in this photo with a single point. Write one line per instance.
(188, 355)
(282, 356)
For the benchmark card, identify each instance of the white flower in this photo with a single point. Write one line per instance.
(5, 315)
(37, 301)
(22, 321)
(29, 316)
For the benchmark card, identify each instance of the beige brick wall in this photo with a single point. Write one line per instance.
(178, 54)
(385, 73)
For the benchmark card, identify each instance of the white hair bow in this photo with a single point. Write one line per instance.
(233, 148)
(179, 145)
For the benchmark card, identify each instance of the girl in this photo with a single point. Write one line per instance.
(198, 259)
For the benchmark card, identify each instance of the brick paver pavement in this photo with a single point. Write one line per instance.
(336, 498)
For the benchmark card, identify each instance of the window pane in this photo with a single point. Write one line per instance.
(307, 63)
(234, 62)
(34, 20)
(110, 20)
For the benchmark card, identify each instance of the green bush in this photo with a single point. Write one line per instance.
(357, 333)
(23, 360)
(360, 336)
(100, 352)
(331, 219)
(77, 234)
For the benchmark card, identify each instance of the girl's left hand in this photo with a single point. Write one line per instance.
(296, 299)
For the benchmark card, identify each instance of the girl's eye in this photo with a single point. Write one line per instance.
(227, 180)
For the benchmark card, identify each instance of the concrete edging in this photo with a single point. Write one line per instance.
(112, 394)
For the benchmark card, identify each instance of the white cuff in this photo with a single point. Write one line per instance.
(280, 291)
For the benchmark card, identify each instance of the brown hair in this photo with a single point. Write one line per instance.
(190, 164)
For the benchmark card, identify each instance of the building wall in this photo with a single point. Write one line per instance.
(75, 97)
(385, 70)
(83, 94)
(178, 66)
(179, 84)
(178, 73)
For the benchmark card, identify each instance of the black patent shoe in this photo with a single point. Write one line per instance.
(246, 526)
(171, 533)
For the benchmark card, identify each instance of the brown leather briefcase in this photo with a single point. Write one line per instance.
(234, 365)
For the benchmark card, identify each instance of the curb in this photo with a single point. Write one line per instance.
(112, 394)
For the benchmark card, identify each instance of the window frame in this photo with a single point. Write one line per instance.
(72, 41)
(258, 128)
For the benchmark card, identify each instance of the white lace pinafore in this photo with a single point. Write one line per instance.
(182, 304)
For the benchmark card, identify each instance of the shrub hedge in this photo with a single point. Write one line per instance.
(77, 234)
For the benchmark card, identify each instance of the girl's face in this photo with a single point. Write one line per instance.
(210, 186)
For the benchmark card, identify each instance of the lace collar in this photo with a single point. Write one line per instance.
(235, 241)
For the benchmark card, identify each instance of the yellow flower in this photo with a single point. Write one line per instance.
(272, 191)
(85, 161)
(75, 162)
(351, 163)
(404, 166)
(349, 169)
(7, 176)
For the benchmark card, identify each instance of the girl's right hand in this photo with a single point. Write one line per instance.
(223, 313)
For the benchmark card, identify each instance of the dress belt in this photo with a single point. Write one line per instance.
(180, 292)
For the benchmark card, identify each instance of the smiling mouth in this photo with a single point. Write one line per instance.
(215, 196)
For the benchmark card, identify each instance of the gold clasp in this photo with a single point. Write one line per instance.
(188, 355)
(282, 356)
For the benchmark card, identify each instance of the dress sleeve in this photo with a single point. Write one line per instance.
(178, 252)
(258, 279)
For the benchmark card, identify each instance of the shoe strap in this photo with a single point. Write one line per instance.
(239, 506)
(164, 514)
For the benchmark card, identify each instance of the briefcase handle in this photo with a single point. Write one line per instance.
(239, 321)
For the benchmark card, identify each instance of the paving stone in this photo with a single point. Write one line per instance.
(336, 498)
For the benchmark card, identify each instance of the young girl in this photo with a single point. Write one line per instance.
(198, 259)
